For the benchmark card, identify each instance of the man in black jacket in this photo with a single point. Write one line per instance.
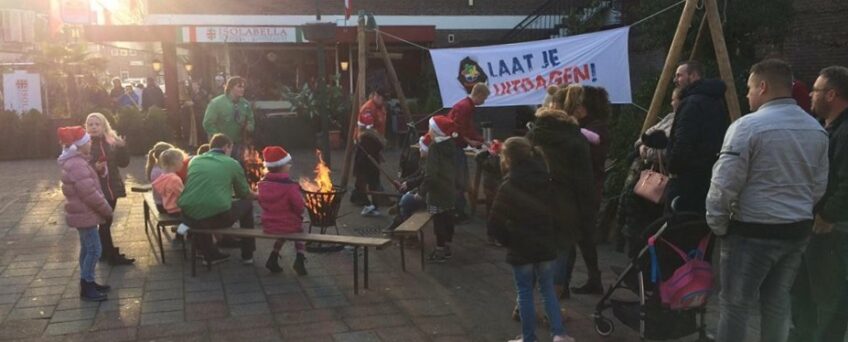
(820, 294)
(696, 137)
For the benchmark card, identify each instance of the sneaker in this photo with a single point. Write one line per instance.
(247, 261)
(215, 259)
(563, 338)
(374, 213)
(517, 339)
(182, 229)
(437, 256)
(367, 209)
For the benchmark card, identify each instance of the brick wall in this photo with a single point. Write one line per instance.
(818, 37)
(382, 7)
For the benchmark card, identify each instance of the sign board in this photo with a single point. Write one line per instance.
(76, 12)
(519, 74)
(240, 34)
(22, 92)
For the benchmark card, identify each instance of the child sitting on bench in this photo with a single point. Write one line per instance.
(282, 207)
(169, 185)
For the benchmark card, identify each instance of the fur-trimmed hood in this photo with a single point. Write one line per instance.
(555, 114)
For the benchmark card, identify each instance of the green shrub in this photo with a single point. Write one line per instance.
(35, 134)
(155, 129)
(129, 123)
(10, 132)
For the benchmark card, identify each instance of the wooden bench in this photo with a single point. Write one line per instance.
(411, 227)
(158, 221)
(355, 241)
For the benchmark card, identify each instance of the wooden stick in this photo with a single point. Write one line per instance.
(393, 78)
(359, 99)
(723, 59)
(395, 183)
(670, 63)
(698, 38)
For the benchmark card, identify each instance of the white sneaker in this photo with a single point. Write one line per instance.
(367, 209)
(374, 212)
(247, 261)
(563, 338)
(182, 229)
(517, 339)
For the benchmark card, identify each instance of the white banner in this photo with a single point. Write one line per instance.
(22, 92)
(519, 74)
(239, 34)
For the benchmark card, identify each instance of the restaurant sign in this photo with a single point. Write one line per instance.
(240, 34)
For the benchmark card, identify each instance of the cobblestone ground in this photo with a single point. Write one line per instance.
(469, 298)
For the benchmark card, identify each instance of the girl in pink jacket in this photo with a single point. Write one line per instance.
(169, 185)
(282, 206)
(85, 206)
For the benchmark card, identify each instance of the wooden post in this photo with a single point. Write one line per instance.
(394, 79)
(723, 59)
(359, 98)
(670, 63)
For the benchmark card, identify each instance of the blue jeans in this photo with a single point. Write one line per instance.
(461, 179)
(409, 204)
(752, 270)
(525, 277)
(90, 251)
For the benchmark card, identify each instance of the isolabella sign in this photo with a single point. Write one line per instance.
(519, 74)
(240, 34)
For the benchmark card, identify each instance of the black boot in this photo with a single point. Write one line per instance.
(89, 293)
(118, 259)
(272, 264)
(299, 265)
(592, 286)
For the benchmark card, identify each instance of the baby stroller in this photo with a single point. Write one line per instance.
(648, 315)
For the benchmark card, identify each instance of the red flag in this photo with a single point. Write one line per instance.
(348, 8)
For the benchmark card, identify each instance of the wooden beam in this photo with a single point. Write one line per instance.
(698, 38)
(358, 101)
(394, 79)
(723, 59)
(671, 61)
(172, 84)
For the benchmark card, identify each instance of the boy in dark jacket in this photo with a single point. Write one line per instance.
(489, 161)
(369, 149)
(522, 220)
(440, 184)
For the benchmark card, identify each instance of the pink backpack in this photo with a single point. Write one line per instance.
(691, 284)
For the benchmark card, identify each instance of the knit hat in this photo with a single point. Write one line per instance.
(495, 147)
(366, 120)
(275, 156)
(443, 128)
(75, 136)
(424, 143)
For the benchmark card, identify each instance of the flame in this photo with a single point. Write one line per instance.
(254, 168)
(321, 183)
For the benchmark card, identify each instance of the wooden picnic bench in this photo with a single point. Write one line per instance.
(355, 241)
(413, 226)
(156, 220)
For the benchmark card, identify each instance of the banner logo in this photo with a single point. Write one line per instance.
(470, 73)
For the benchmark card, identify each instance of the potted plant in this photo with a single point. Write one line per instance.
(309, 105)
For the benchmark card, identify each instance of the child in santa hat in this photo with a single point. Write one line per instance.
(440, 184)
(369, 149)
(412, 199)
(85, 206)
(282, 206)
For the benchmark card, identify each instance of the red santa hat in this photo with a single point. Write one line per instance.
(424, 143)
(366, 120)
(73, 136)
(495, 147)
(275, 156)
(443, 128)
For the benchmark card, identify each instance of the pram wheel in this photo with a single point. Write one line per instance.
(604, 326)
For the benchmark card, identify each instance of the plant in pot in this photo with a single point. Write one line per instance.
(309, 105)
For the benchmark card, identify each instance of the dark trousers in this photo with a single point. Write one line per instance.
(443, 227)
(820, 292)
(589, 252)
(241, 211)
(461, 165)
(105, 232)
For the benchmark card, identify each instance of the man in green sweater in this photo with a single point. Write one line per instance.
(207, 200)
(230, 114)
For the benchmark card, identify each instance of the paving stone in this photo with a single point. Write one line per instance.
(162, 317)
(205, 311)
(60, 265)
(4, 281)
(308, 330)
(453, 338)
(160, 331)
(162, 306)
(41, 282)
(299, 317)
(60, 273)
(425, 307)
(22, 329)
(68, 327)
(314, 292)
(73, 315)
(152, 296)
(9, 298)
(240, 323)
(204, 286)
(41, 312)
(444, 325)
(121, 304)
(368, 310)
(406, 334)
(47, 290)
(114, 335)
(258, 334)
(123, 293)
(17, 272)
(288, 302)
(271, 289)
(164, 285)
(374, 322)
(106, 320)
(204, 296)
(13, 289)
(358, 336)
(26, 264)
(249, 309)
(29, 302)
(236, 288)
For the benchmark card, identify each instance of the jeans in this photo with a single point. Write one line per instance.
(461, 166)
(90, 250)
(757, 269)
(525, 277)
(409, 204)
(241, 211)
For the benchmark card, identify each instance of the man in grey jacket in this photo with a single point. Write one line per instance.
(771, 172)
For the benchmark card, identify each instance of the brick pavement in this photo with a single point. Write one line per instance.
(468, 299)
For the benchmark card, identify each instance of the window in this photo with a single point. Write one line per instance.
(133, 52)
(124, 52)
(113, 52)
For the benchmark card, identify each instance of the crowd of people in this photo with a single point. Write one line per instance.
(771, 187)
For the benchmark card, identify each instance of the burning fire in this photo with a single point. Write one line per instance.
(254, 169)
(321, 184)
